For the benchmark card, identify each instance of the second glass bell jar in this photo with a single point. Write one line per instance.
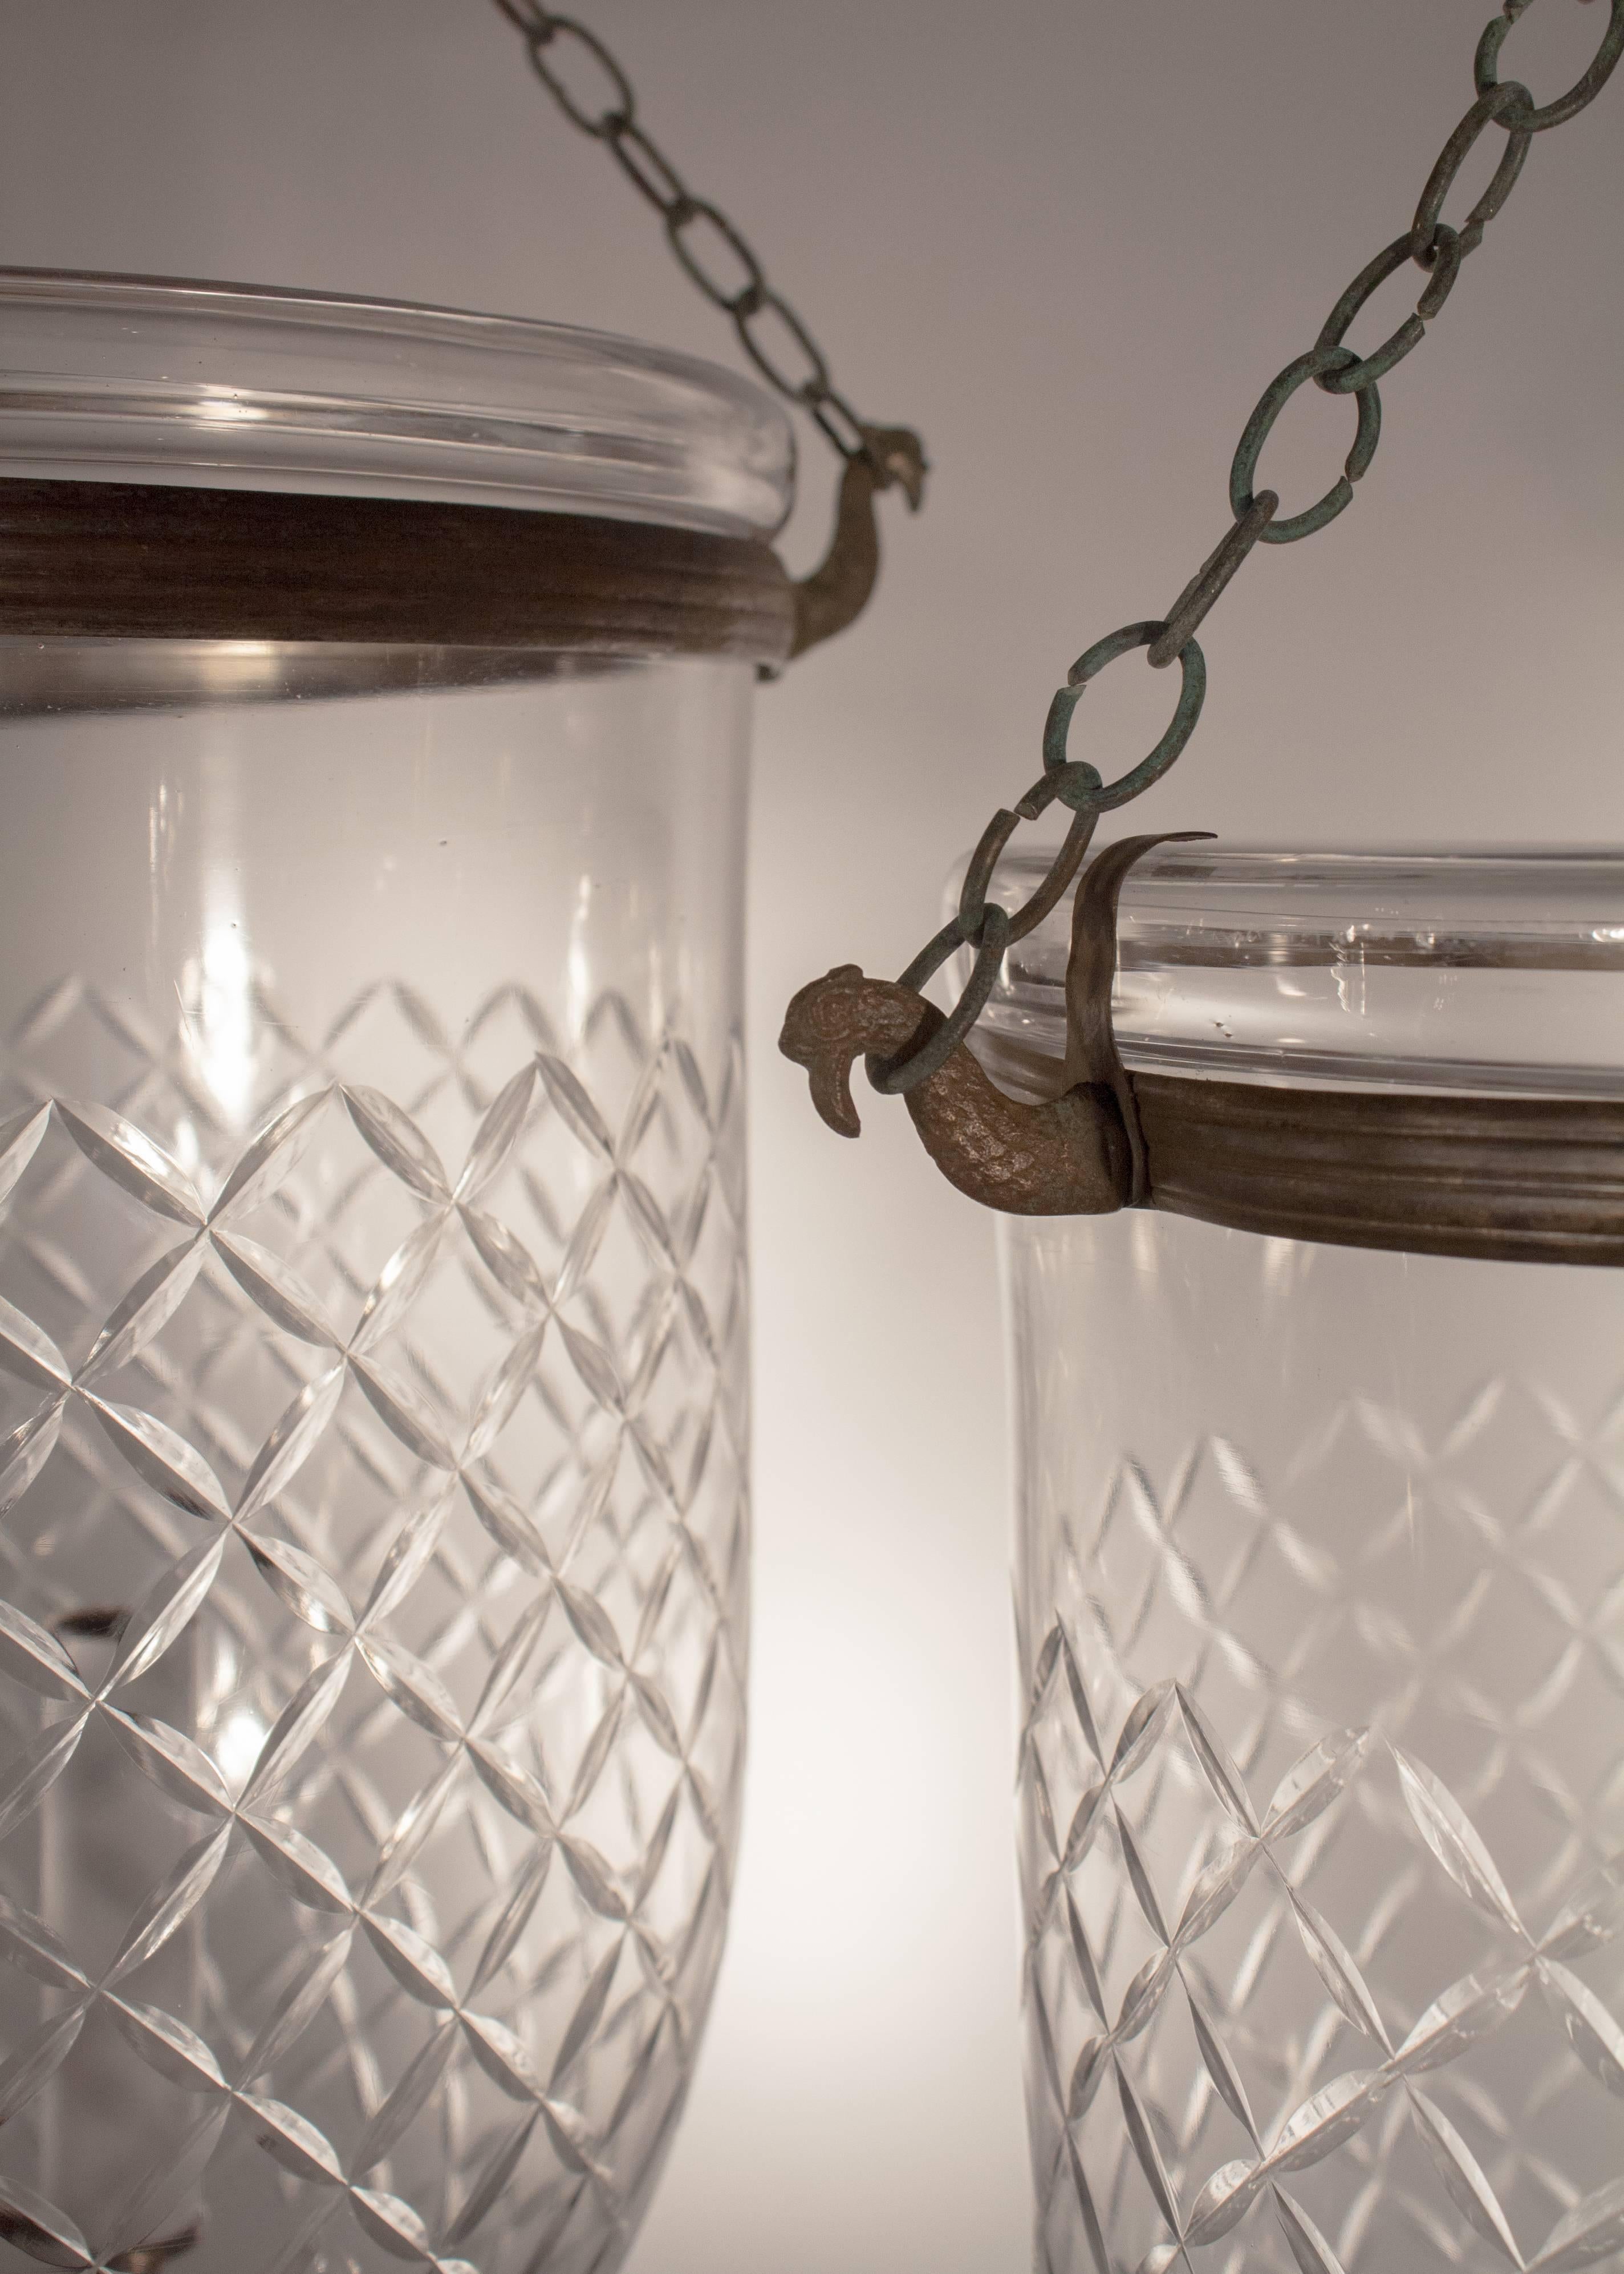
(377, 687)
(1321, 1582)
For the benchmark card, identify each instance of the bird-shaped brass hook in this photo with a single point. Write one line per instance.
(1079, 1153)
(839, 589)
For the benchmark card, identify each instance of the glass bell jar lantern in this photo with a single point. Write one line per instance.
(377, 687)
(1311, 1178)
(1320, 1576)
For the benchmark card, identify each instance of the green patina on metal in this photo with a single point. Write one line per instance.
(1090, 1148)
(1439, 250)
(590, 86)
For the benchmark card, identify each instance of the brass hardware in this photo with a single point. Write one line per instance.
(839, 589)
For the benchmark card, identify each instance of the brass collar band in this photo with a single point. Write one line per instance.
(1524, 1180)
(144, 562)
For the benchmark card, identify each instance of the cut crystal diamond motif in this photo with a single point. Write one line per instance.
(373, 1563)
(1284, 1993)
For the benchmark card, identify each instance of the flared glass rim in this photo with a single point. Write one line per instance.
(1497, 969)
(171, 379)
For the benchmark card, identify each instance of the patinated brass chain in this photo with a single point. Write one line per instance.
(1439, 249)
(591, 88)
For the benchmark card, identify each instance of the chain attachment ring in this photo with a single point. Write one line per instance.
(1584, 89)
(1274, 401)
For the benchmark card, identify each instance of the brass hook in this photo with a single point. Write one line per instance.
(1079, 1153)
(839, 589)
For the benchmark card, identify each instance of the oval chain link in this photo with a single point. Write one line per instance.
(1584, 89)
(1279, 392)
(1507, 106)
(982, 923)
(562, 51)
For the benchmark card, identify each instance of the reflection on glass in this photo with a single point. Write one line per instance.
(1320, 1605)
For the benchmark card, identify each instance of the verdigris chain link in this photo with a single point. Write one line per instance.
(1439, 250)
(592, 90)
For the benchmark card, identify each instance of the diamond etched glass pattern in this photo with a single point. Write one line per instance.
(373, 1435)
(1321, 1621)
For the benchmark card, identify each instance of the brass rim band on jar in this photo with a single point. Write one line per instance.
(1529, 1179)
(128, 561)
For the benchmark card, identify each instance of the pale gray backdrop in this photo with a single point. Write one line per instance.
(1072, 239)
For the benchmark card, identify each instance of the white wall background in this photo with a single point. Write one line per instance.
(1072, 239)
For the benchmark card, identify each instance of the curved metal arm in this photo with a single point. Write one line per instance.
(1092, 1058)
(839, 589)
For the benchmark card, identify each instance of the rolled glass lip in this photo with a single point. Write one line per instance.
(233, 385)
(1495, 970)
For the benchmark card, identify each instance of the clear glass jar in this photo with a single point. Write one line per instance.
(1320, 1613)
(372, 1315)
